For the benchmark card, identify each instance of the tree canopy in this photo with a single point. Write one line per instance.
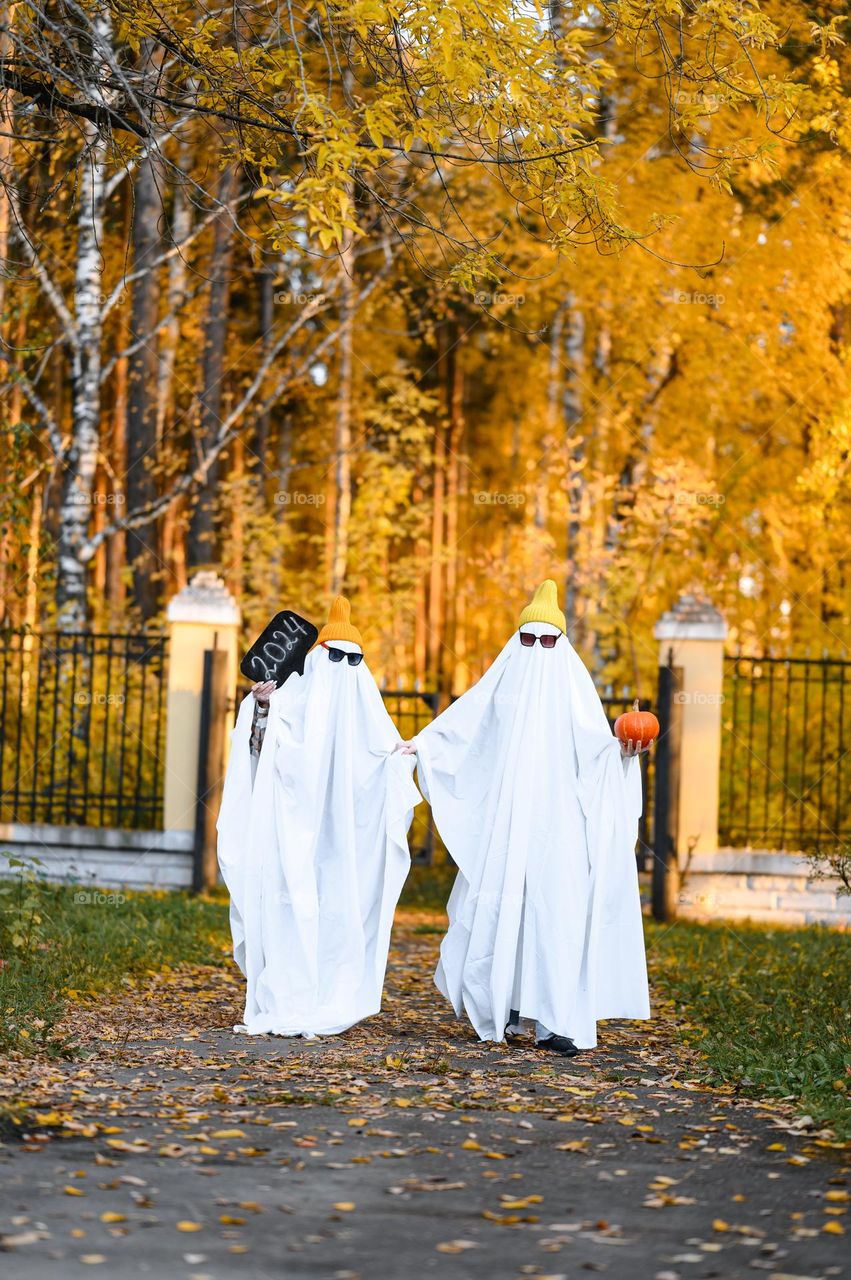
(428, 302)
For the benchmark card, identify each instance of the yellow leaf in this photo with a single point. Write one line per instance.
(183, 1225)
(839, 1196)
(228, 1133)
(718, 1224)
(834, 1228)
(73, 1191)
(357, 1123)
(109, 1216)
(776, 1146)
(228, 1220)
(119, 1144)
(49, 1117)
(469, 1145)
(344, 1206)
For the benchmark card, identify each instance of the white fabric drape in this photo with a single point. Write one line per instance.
(538, 809)
(315, 854)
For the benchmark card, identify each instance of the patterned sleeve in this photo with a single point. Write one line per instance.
(258, 729)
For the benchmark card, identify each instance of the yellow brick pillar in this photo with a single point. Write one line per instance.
(204, 615)
(693, 632)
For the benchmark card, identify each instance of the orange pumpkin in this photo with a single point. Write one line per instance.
(637, 726)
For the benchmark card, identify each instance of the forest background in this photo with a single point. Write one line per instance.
(425, 303)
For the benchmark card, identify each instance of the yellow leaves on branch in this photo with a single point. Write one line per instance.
(493, 87)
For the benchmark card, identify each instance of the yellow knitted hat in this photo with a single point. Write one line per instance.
(339, 624)
(544, 607)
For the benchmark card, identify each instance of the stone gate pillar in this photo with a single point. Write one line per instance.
(693, 633)
(204, 615)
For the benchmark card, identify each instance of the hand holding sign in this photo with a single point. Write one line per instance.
(281, 649)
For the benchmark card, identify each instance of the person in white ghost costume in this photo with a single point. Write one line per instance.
(313, 841)
(538, 805)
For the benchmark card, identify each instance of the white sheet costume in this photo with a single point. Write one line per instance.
(315, 853)
(539, 810)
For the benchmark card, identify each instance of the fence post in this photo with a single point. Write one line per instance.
(212, 753)
(204, 615)
(664, 878)
(692, 634)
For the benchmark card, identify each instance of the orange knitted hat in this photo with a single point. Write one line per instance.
(339, 624)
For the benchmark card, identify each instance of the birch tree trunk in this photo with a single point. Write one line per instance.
(82, 454)
(178, 234)
(7, 114)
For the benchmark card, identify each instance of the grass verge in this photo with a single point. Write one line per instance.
(768, 1009)
(59, 944)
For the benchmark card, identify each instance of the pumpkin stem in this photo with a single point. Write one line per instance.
(635, 704)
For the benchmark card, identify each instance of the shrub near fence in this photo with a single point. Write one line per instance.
(82, 728)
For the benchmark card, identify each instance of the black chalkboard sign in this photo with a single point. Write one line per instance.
(281, 649)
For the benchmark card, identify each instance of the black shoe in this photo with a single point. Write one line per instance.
(513, 1029)
(559, 1044)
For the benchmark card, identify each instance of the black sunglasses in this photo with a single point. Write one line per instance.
(337, 655)
(528, 638)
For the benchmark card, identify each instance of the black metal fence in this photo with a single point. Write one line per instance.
(82, 728)
(785, 777)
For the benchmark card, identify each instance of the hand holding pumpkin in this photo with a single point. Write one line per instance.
(636, 731)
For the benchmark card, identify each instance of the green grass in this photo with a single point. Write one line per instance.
(768, 1009)
(56, 948)
(428, 887)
